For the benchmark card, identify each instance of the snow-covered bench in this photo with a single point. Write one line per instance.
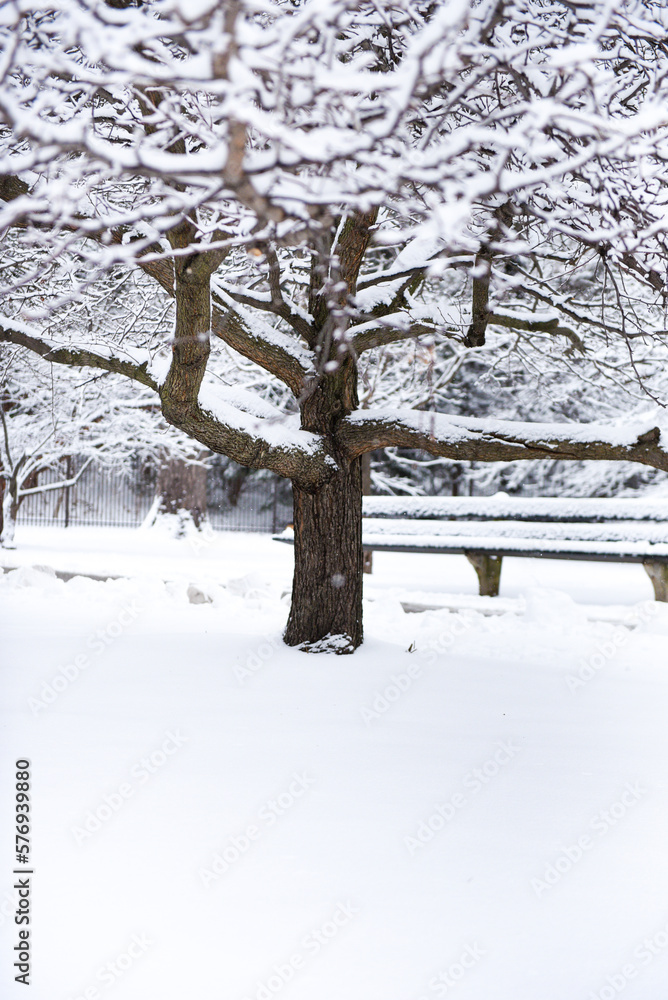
(485, 529)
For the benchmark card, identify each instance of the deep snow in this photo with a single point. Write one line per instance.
(472, 805)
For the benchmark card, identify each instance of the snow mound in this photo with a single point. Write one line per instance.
(552, 607)
(331, 643)
(251, 585)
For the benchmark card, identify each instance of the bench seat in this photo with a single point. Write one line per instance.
(534, 533)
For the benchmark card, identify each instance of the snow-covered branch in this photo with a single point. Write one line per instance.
(275, 351)
(228, 421)
(490, 440)
(64, 484)
(97, 356)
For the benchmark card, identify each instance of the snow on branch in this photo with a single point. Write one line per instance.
(538, 325)
(62, 485)
(366, 336)
(133, 364)
(259, 438)
(268, 302)
(489, 440)
(284, 115)
(276, 352)
(228, 421)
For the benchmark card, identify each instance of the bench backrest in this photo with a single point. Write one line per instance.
(505, 508)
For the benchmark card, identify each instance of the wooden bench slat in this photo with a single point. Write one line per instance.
(617, 531)
(604, 551)
(574, 509)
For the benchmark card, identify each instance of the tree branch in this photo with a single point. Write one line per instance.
(381, 335)
(279, 307)
(475, 335)
(276, 352)
(352, 246)
(12, 187)
(77, 357)
(470, 439)
(384, 276)
(65, 484)
(6, 436)
(254, 441)
(537, 326)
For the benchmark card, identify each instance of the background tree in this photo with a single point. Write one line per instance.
(120, 307)
(291, 177)
(45, 423)
(591, 372)
(62, 422)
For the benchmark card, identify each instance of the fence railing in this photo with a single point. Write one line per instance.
(102, 498)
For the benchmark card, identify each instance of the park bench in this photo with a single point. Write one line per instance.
(485, 529)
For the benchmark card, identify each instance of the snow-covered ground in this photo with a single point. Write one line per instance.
(473, 805)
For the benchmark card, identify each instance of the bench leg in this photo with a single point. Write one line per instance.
(488, 569)
(658, 574)
(367, 561)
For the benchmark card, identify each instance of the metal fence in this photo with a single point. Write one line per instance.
(237, 500)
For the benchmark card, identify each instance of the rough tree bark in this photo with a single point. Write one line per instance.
(326, 610)
(326, 604)
(325, 465)
(324, 459)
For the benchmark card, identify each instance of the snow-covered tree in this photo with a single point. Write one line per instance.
(45, 422)
(51, 411)
(63, 421)
(296, 177)
(593, 373)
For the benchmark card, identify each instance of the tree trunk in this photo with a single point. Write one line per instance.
(235, 484)
(367, 559)
(181, 496)
(326, 611)
(10, 511)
